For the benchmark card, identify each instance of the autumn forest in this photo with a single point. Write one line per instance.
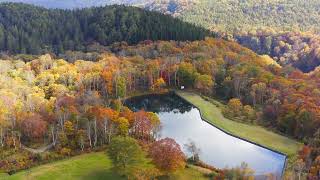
(65, 75)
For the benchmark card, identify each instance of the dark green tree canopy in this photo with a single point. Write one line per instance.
(34, 30)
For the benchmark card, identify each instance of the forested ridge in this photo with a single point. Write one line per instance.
(33, 30)
(298, 49)
(275, 28)
(230, 15)
(225, 15)
(286, 30)
(222, 15)
(61, 30)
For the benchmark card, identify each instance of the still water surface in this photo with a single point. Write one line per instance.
(182, 122)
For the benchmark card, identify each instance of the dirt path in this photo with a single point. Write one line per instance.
(39, 150)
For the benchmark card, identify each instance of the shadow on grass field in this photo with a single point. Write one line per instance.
(101, 175)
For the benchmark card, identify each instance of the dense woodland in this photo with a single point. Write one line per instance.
(34, 30)
(297, 49)
(275, 28)
(74, 107)
(230, 15)
(285, 30)
(222, 15)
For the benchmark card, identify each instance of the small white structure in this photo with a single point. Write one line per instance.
(182, 87)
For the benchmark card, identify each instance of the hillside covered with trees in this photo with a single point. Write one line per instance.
(271, 27)
(298, 49)
(274, 28)
(33, 30)
(230, 15)
(222, 15)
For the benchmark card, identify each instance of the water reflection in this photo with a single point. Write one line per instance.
(159, 103)
(182, 122)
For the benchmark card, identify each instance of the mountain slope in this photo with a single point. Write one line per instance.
(30, 29)
(268, 27)
(225, 15)
(249, 22)
(237, 14)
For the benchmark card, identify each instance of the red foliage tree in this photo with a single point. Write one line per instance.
(145, 125)
(167, 155)
(142, 126)
(33, 126)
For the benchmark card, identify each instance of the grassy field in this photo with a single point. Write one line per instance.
(188, 174)
(253, 133)
(87, 166)
(93, 166)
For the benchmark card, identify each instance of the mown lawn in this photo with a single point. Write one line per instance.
(253, 133)
(87, 166)
(93, 166)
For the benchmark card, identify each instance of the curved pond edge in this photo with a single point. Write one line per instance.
(235, 136)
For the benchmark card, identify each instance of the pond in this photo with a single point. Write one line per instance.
(182, 122)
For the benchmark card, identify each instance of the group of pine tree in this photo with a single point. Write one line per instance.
(35, 30)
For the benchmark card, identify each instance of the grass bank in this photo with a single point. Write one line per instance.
(93, 166)
(257, 134)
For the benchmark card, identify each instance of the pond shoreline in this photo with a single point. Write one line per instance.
(228, 124)
(229, 133)
(235, 136)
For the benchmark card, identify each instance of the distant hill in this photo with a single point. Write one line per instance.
(225, 15)
(266, 26)
(30, 29)
(245, 15)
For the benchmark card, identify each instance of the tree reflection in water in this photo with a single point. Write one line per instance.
(159, 103)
